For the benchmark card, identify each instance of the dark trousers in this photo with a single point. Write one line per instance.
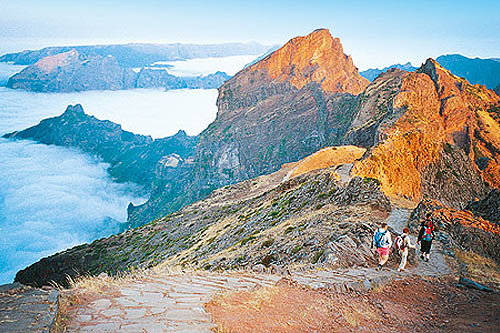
(425, 246)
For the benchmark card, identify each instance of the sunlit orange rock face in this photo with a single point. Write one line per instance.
(317, 57)
(290, 104)
(432, 135)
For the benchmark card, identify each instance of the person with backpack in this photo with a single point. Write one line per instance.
(403, 243)
(425, 237)
(383, 242)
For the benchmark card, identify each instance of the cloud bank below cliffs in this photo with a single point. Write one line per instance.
(52, 198)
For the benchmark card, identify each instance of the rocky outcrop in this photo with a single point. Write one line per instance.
(290, 104)
(431, 133)
(466, 231)
(70, 71)
(138, 54)
(372, 73)
(132, 158)
(155, 78)
(488, 208)
(309, 220)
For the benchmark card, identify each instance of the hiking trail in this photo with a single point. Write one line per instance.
(162, 301)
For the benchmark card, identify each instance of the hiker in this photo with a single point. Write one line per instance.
(403, 243)
(425, 237)
(383, 242)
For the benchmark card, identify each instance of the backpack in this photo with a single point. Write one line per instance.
(377, 238)
(427, 234)
(399, 242)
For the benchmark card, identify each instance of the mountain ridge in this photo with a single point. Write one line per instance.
(140, 54)
(132, 157)
(428, 135)
(71, 71)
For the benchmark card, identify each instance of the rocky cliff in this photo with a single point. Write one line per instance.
(431, 134)
(488, 207)
(132, 158)
(290, 104)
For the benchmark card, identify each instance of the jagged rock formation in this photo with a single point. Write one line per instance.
(154, 78)
(132, 157)
(431, 133)
(292, 103)
(70, 71)
(309, 220)
(372, 73)
(138, 54)
(476, 71)
(466, 231)
(488, 208)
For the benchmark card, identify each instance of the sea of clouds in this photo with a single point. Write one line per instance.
(52, 198)
(205, 66)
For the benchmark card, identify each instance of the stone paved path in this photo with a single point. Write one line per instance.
(437, 266)
(359, 279)
(26, 309)
(162, 304)
(174, 303)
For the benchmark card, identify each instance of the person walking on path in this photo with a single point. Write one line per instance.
(403, 244)
(383, 242)
(425, 237)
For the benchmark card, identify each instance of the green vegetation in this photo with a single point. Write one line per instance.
(317, 255)
(296, 249)
(448, 148)
(369, 179)
(267, 243)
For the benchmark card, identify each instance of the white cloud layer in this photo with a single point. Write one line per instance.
(52, 198)
(195, 67)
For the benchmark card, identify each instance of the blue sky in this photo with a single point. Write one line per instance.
(375, 33)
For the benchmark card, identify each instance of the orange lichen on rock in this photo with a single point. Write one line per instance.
(317, 57)
(327, 157)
